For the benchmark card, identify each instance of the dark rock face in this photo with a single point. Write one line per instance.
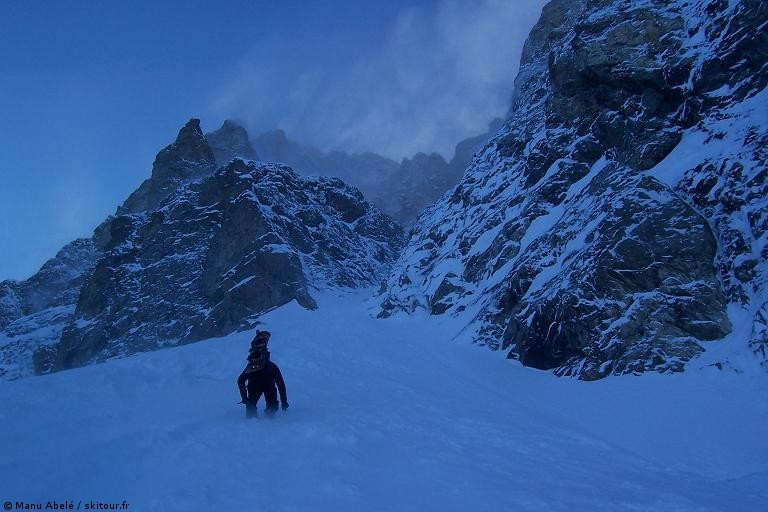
(220, 251)
(230, 141)
(602, 231)
(189, 157)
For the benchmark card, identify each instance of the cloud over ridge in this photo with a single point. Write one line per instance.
(439, 76)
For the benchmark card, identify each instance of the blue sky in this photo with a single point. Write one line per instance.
(90, 91)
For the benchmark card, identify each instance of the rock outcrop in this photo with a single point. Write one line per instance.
(619, 213)
(33, 313)
(417, 183)
(213, 256)
(190, 157)
(194, 252)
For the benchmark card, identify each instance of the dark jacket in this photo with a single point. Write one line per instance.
(253, 383)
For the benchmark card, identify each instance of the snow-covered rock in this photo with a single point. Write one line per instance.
(619, 215)
(33, 313)
(401, 190)
(220, 251)
(10, 302)
(190, 157)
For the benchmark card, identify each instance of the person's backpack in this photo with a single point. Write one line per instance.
(258, 355)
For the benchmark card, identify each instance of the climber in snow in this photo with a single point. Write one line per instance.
(260, 376)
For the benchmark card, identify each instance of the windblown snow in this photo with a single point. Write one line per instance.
(384, 415)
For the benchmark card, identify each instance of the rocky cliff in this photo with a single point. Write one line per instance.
(616, 223)
(190, 157)
(366, 171)
(194, 252)
(33, 313)
(220, 251)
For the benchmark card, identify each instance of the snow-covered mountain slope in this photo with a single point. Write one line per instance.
(33, 313)
(384, 416)
(617, 222)
(230, 141)
(194, 252)
(217, 253)
(188, 158)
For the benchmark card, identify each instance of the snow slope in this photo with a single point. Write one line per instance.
(385, 415)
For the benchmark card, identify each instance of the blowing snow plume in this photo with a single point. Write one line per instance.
(439, 76)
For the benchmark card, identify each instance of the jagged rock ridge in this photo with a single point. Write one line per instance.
(195, 252)
(219, 252)
(607, 228)
(230, 141)
(401, 190)
(188, 158)
(33, 313)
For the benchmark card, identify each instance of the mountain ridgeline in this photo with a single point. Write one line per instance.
(197, 251)
(616, 222)
(212, 239)
(401, 190)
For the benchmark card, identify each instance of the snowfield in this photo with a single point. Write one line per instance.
(386, 415)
